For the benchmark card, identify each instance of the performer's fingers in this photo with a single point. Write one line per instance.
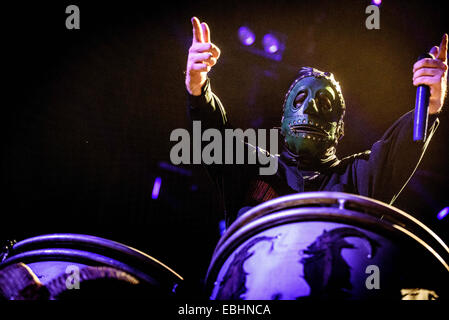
(199, 57)
(429, 63)
(426, 72)
(201, 67)
(206, 32)
(442, 52)
(199, 47)
(210, 62)
(215, 51)
(205, 48)
(434, 51)
(197, 31)
(429, 81)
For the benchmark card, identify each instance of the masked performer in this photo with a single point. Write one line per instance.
(311, 126)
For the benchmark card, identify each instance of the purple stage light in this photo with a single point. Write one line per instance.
(377, 2)
(167, 166)
(222, 227)
(156, 188)
(270, 43)
(246, 36)
(443, 213)
(273, 48)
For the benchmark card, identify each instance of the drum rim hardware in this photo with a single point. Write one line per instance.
(355, 210)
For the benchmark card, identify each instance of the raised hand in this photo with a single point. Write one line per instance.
(433, 72)
(203, 55)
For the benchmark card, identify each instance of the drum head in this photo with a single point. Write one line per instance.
(326, 246)
(61, 261)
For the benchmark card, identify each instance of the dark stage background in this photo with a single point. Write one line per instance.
(87, 114)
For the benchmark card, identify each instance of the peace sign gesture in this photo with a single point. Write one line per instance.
(203, 55)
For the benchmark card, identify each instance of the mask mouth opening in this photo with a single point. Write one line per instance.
(308, 129)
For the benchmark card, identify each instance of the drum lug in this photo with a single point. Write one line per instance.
(341, 203)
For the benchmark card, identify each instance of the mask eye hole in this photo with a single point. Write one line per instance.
(300, 98)
(324, 102)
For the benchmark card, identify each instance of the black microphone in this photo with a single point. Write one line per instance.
(421, 108)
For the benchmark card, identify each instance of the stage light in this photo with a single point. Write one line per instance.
(270, 43)
(178, 170)
(246, 36)
(156, 188)
(377, 2)
(222, 227)
(443, 213)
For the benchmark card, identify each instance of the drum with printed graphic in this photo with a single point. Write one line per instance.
(65, 266)
(327, 245)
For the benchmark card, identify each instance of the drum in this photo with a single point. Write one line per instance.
(85, 266)
(327, 245)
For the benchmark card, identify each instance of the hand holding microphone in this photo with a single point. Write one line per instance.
(430, 76)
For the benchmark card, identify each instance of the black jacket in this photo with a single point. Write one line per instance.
(380, 173)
